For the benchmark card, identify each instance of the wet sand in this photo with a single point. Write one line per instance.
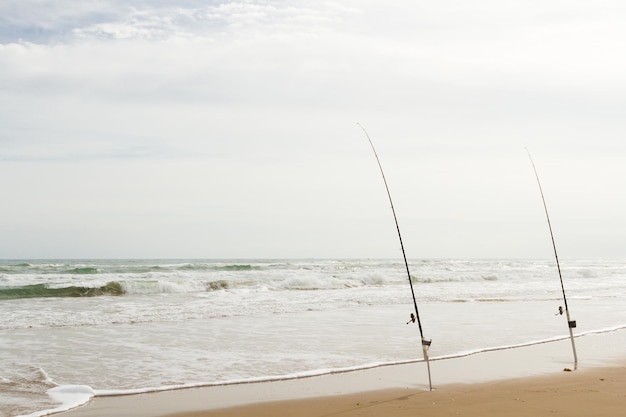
(534, 380)
(597, 392)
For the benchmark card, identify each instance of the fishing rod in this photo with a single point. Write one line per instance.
(425, 343)
(570, 323)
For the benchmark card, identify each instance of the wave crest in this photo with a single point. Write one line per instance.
(44, 291)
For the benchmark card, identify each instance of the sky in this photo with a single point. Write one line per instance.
(229, 129)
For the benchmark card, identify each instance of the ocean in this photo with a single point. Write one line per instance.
(74, 329)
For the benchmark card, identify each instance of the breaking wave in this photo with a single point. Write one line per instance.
(43, 291)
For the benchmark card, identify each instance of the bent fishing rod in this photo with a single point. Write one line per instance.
(425, 343)
(570, 323)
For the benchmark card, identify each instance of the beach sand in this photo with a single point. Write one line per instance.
(598, 392)
(529, 381)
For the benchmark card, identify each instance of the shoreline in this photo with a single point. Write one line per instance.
(597, 353)
(593, 391)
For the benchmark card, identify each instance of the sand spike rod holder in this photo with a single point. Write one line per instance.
(570, 323)
(425, 342)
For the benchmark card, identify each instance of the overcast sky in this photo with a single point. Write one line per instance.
(217, 129)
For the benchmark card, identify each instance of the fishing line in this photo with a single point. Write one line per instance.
(570, 323)
(425, 343)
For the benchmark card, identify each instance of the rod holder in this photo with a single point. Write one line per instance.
(426, 344)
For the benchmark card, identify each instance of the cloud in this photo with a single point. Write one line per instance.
(42, 21)
(45, 22)
(250, 108)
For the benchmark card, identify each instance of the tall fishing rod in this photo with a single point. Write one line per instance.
(425, 343)
(570, 323)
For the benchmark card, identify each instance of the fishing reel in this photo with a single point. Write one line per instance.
(570, 323)
(425, 342)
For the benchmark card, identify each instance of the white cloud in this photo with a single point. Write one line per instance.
(240, 118)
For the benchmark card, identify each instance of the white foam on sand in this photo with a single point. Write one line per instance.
(68, 397)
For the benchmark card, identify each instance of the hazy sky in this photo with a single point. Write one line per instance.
(217, 129)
